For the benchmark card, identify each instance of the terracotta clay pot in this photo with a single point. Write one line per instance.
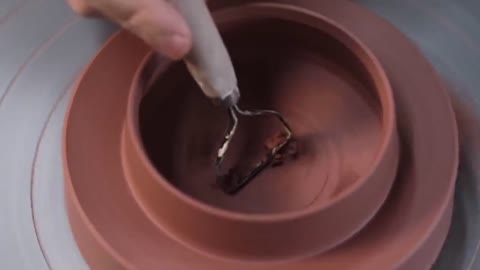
(332, 91)
(113, 232)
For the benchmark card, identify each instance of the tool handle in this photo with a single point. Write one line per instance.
(208, 61)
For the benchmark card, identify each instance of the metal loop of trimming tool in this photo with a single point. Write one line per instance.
(261, 165)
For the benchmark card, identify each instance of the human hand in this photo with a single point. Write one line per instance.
(157, 22)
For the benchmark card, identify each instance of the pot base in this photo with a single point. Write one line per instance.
(113, 232)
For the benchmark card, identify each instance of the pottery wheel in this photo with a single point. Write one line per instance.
(38, 69)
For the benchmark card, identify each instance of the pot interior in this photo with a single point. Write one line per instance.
(314, 81)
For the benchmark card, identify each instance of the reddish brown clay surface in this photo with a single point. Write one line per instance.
(406, 234)
(342, 115)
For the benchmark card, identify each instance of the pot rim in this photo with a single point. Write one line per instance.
(296, 15)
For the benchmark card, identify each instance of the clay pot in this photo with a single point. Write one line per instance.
(113, 232)
(335, 95)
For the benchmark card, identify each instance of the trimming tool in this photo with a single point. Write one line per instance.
(210, 65)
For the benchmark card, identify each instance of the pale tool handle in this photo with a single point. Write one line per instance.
(208, 61)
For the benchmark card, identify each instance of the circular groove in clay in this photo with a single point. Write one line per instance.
(262, 236)
(374, 228)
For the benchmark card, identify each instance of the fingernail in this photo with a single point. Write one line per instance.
(177, 46)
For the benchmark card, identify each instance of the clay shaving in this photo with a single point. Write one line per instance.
(232, 181)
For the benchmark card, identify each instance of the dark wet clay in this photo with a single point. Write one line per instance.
(114, 233)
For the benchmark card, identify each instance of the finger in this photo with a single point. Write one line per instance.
(160, 25)
(81, 7)
(157, 22)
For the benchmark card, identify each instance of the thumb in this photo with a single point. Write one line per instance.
(157, 22)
